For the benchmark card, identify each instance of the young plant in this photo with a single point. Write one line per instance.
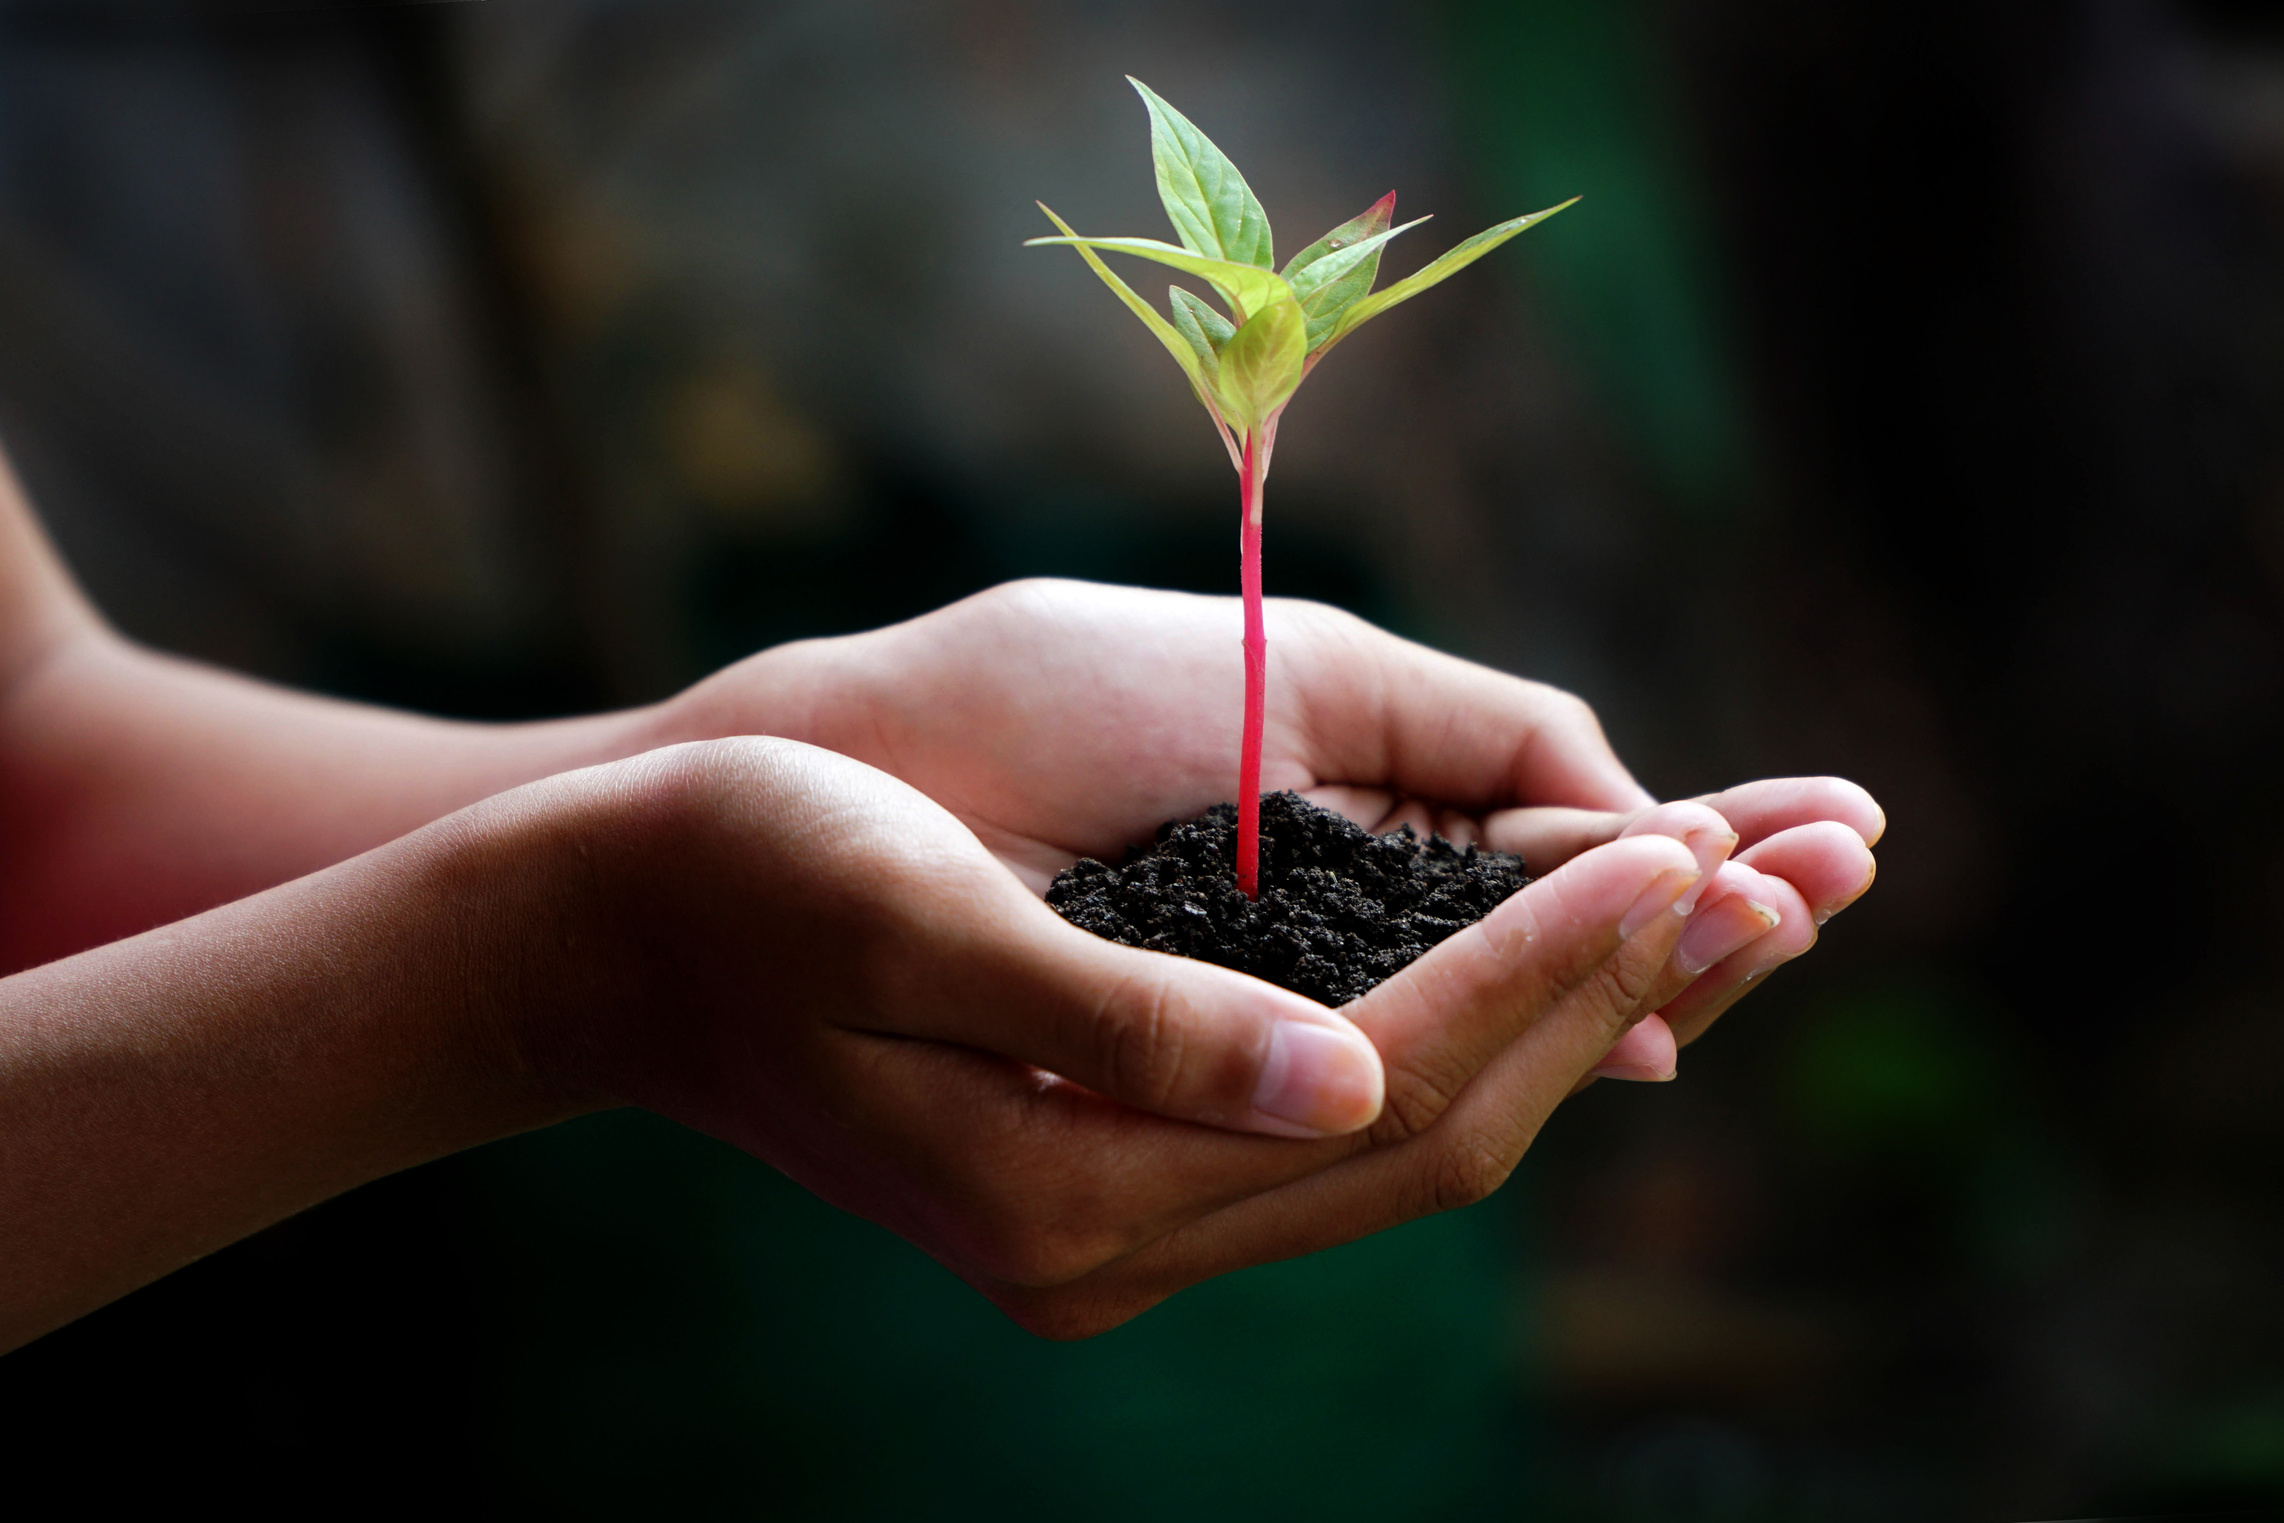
(1246, 364)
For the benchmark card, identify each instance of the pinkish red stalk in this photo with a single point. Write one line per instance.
(1252, 471)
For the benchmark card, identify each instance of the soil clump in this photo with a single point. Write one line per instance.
(1341, 909)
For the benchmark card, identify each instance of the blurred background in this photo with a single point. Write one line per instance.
(1905, 400)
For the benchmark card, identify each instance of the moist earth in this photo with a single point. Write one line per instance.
(1341, 909)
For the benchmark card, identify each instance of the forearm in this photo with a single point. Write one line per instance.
(168, 1094)
(136, 789)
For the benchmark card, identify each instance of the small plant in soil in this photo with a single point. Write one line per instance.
(1343, 908)
(1244, 362)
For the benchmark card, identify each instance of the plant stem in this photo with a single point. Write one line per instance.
(1256, 669)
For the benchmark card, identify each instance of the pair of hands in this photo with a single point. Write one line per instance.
(831, 950)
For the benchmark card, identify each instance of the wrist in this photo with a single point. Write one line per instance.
(802, 691)
(523, 887)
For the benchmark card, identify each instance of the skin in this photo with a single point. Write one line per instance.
(273, 946)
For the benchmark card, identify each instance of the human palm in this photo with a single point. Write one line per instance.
(1060, 719)
(1046, 720)
(1063, 719)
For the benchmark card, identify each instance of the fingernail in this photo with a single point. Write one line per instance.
(1317, 1081)
(1633, 1073)
(1660, 896)
(1728, 927)
(1711, 849)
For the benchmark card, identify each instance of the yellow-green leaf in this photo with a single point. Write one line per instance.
(1214, 211)
(1263, 362)
(1206, 329)
(1176, 345)
(1326, 287)
(1443, 268)
(1246, 288)
(1372, 220)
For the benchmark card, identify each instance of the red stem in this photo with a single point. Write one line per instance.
(1256, 672)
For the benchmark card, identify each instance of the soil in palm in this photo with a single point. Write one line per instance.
(1341, 909)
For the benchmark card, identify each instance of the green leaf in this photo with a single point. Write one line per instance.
(1247, 288)
(1176, 345)
(1327, 287)
(1446, 265)
(1214, 211)
(1206, 329)
(1263, 362)
(1372, 220)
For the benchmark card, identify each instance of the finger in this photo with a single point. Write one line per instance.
(1547, 837)
(1583, 941)
(1010, 1175)
(1463, 1157)
(1362, 807)
(1441, 728)
(1761, 809)
(1076, 1182)
(1738, 917)
(1459, 829)
(1098, 1182)
(1757, 810)
(1379, 811)
(1811, 874)
(1723, 984)
(1427, 820)
(1732, 915)
(1465, 1153)
(1709, 840)
(1708, 836)
(1646, 1053)
(1168, 1035)
(1587, 939)
(1693, 1023)
(1597, 929)
(1826, 861)
(1410, 812)
(1729, 914)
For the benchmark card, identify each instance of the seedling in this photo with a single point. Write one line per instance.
(1246, 364)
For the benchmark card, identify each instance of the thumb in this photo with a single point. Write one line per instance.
(1166, 1034)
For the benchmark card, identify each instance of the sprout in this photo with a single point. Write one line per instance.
(1246, 364)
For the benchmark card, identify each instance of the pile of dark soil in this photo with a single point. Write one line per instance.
(1340, 910)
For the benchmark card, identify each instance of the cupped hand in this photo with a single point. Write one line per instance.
(795, 952)
(1064, 719)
